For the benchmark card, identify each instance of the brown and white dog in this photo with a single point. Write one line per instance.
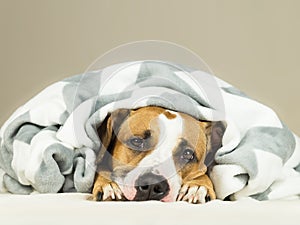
(155, 154)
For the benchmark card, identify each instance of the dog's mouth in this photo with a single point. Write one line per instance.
(144, 186)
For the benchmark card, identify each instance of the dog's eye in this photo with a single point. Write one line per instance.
(136, 143)
(188, 155)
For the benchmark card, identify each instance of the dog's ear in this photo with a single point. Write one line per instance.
(108, 130)
(214, 135)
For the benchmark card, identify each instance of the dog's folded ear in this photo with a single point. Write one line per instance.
(214, 136)
(108, 130)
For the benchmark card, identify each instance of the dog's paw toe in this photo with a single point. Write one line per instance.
(112, 191)
(194, 194)
(99, 196)
(107, 192)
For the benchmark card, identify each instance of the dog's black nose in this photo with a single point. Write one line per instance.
(150, 186)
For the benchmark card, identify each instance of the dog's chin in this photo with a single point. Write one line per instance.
(129, 192)
(170, 197)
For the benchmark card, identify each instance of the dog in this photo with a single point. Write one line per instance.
(152, 153)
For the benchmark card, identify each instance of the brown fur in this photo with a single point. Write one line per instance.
(126, 123)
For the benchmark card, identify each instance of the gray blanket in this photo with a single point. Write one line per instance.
(50, 143)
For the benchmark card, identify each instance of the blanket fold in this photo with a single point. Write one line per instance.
(50, 143)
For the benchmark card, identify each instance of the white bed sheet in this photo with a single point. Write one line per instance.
(74, 208)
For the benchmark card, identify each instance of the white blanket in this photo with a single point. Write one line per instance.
(73, 208)
(50, 143)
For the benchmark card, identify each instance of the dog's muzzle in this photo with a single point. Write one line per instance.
(150, 186)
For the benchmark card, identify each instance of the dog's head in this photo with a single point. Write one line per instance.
(151, 151)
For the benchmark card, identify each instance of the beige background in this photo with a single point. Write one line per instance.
(253, 44)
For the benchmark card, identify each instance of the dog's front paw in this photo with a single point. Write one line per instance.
(107, 192)
(196, 194)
